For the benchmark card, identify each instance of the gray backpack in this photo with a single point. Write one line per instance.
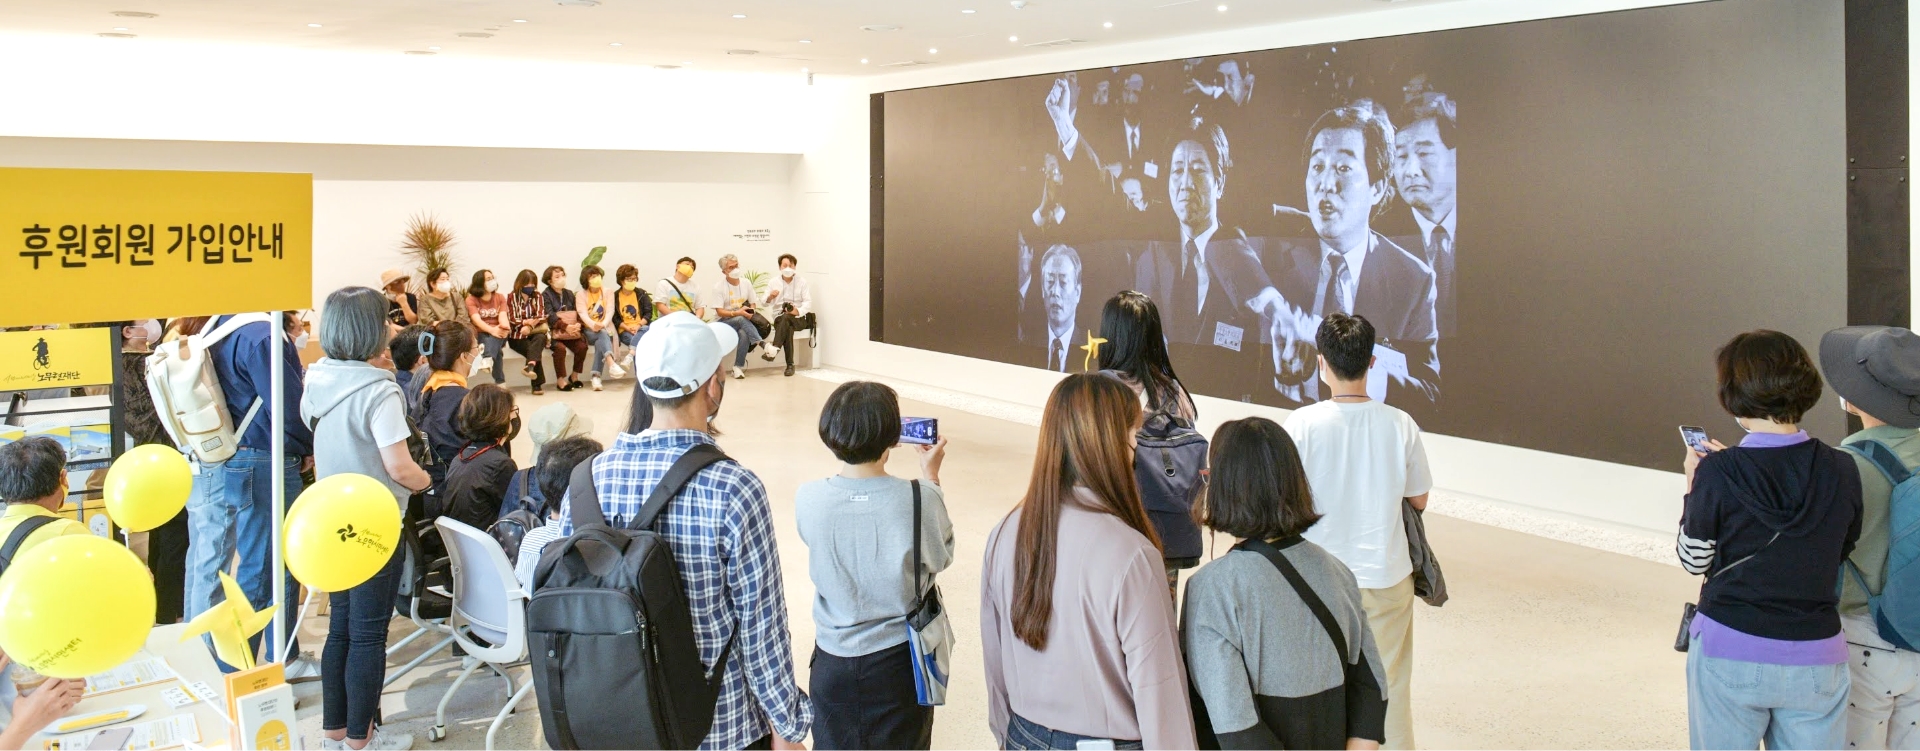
(1170, 462)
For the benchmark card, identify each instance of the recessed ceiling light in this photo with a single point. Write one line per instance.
(967, 11)
(739, 15)
(135, 14)
(863, 61)
(804, 70)
(313, 26)
(806, 41)
(613, 44)
(519, 20)
(1013, 39)
(1221, 8)
(1108, 24)
(933, 50)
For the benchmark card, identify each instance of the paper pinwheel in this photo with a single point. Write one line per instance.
(231, 623)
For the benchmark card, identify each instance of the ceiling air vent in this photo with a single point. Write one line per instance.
(420, 52)
(905, 64)
(1058, 43)
(879, 27)
(666, 67)
(743, 52)
(116, 35)
(578, 3)
(474, 35)
(135, 14)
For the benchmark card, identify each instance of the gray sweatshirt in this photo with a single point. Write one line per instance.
(859, 536)
(354, 409)
(1265, 666)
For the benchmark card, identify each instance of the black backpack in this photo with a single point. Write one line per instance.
(1170, 462)
(609, 631)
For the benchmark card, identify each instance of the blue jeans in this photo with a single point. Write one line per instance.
(1732, 704)
(231, 511)
(602, 346)
(749, 338)
(630, 338)
(1025, 735)
(491, 346)
(354, 663)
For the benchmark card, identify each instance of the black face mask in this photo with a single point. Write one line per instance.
(529, 289)
(513, 431)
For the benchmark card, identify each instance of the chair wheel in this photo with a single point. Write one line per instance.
(436, 734)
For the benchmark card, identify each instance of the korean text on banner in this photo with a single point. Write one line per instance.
(84, 246)
(55, 359)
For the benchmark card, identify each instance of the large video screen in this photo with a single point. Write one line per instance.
(1632, 189)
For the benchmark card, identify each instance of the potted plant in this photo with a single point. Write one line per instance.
(428, 243)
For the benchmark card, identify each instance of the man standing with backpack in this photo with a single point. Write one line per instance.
(1876, 372)
(719, 529)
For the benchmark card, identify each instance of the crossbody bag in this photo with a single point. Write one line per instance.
(929, 633)
(1684, 639)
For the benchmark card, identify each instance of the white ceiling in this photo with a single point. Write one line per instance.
(674, 32)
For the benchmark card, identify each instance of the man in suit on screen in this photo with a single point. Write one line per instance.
(1344, 266)
(1424, 173)
(1060, 287)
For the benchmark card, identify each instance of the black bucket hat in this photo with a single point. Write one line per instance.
(1877, 370)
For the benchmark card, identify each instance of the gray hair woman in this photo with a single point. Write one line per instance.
(359, 427)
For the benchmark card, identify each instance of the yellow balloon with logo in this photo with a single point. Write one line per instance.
(147, 486)
(341, 532)
(75, 606)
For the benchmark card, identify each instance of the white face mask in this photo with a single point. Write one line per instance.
(733, 274)
(443, 287)
(493, 285)
(786, 273)
(300, 340)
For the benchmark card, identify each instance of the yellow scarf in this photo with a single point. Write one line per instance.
(442, 378)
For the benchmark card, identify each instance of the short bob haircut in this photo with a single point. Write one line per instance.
(557, 461)
(485, 414)
(1767, 375)
(406, 346)
(860, 422)
(1347, 343)
(353, 324)
(1257, 488)
(624, 273)
(785, 258)
(546, 277)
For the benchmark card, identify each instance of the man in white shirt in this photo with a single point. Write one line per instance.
(732, 303)
(791, 299)
(677, 293)
(1362, 458)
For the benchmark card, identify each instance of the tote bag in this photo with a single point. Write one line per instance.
(929, 634)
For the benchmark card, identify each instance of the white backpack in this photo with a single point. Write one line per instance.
(186, 393)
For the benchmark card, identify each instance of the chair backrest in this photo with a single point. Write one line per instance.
(487, 597)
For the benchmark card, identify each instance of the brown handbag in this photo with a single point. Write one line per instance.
(569, 328)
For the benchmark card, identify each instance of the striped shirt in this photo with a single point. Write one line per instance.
(720, 529)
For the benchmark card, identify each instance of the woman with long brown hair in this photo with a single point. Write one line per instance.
(1075, 622)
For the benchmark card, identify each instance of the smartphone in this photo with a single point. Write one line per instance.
(919, 430)
(110, 740)
(1695, 438)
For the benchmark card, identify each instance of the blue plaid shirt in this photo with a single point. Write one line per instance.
(721, 531)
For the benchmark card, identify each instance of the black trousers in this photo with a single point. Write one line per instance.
(533, 348)
(783, 328)
(167, 557)
(867, 702)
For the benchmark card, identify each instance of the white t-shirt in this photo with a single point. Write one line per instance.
(389, 425)
(1361, 459)
(728, 295)
(663, 292)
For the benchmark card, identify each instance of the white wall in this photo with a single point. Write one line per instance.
(508, 226)
(84, 87)
(832, 184)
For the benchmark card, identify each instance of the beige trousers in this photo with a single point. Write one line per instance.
(1390, 615)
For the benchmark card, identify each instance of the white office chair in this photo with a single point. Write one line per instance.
(426, 625)
(489, 617)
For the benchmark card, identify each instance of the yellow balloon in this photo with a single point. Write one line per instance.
(147, 486)
(75, 606)
(341, 532)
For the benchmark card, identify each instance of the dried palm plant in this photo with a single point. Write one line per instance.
(428, 243)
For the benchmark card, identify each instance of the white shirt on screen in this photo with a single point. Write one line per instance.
(1361, 459)
(1426, 231)
(1199, 260)
(796, 291)
(1356, 259)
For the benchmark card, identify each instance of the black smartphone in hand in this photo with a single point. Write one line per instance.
(1696, 438)
(923, 431)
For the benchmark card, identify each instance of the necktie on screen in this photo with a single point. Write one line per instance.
(1056, 357)
(1186, 293)
(1336, 298)
(1439, 256)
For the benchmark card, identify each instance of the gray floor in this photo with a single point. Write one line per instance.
(1544, 645)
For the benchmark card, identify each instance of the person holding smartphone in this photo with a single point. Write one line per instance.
(1768, 522)
(860, 533)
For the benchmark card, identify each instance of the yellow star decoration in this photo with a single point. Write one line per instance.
(1092, 348)
(230, 623)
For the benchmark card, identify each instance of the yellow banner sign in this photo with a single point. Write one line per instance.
(58, 358)
(84, 246)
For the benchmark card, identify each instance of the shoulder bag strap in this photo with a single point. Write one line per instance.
(584, 500)
(1749, 557)
(919, 592)
(19, 537)
(682, 295)
(1881, 457)
(1306, 593)
(689, 464)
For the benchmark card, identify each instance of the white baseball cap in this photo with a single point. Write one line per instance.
(683, 348)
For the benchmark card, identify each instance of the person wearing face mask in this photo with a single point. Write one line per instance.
(732, 303)
(791, 299)
(677, 293)
(596, 319)
(448, 350)
(476, 484)
(529, 326)
(632, 311)
(567, 327)
(403, 307)
(492, 319)
(720, 529)
(441, 303)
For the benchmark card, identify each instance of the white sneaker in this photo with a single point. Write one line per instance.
(766, 353)
(739, 374)
(303, 668)
(329, 744)
(614, 370)
(596, 383)
(381, 740)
